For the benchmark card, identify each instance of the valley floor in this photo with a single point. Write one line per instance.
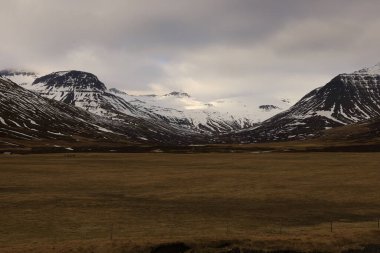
(212, 202)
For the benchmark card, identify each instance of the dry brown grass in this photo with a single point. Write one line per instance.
(60, 202)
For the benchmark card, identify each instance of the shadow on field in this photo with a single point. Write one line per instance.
(179, 247)
(231, 247)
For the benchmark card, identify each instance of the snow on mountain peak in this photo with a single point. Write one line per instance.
(14, 72)
(176, 108)
(21, 77)
(72, 79)
(374, 70)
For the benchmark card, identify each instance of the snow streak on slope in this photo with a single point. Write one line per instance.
(346, 99)
(177, 109)
(222, 115)
(27, 115)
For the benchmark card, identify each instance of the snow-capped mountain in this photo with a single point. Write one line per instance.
(26, 115)
(178, 109)
(84, 90)
(182, 110)
(21, 77)
(222, 115)
(346, 99)
(80, 89)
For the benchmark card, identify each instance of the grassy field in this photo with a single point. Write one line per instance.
(125, 202)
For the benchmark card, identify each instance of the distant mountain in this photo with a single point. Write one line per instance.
(20, 77)
(178, 109)
(177, 117)
(26, 115)
(346, 99)
(268, 108)
(71, 81)
(83, 90)
(178, 94)
(220, 116)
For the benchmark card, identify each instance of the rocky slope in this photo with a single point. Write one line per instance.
(346, 99)
(177, 109)
(26, 115)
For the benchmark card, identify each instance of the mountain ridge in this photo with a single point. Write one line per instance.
(178, 109)
(345, 99)
(26, 115)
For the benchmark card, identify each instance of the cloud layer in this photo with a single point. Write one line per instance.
(257, 49)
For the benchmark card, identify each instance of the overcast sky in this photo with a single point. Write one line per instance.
(208, 48)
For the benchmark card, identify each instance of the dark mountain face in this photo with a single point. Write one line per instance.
(24, 114)
(83, 90)
(76, 80)
(346, 99)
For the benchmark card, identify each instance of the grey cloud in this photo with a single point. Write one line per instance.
(211, 48)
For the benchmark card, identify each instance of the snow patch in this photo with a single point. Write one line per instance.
(3, 121)
(55, 133)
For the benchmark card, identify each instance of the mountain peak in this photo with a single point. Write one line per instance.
(373, 70)
(21, 77)
(71, 79)
(268, 107)
(15, 72)
(177, 94)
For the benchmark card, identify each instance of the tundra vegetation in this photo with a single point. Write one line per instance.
(211, 202)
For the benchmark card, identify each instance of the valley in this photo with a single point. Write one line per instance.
(191, 126)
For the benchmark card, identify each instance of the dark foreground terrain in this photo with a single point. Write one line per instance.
(215, 202)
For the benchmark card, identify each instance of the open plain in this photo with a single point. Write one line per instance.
(212, 202)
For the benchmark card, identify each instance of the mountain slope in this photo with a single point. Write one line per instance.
(177, 109)
(346, 99)
(25, 115)
(181, 108)
(84, 90)
(21, 77)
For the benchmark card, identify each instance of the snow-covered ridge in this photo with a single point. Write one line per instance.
(178, 109)
(26, 115)
(21, 77)
(231, 113)
(346, 99)
(74, 80)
